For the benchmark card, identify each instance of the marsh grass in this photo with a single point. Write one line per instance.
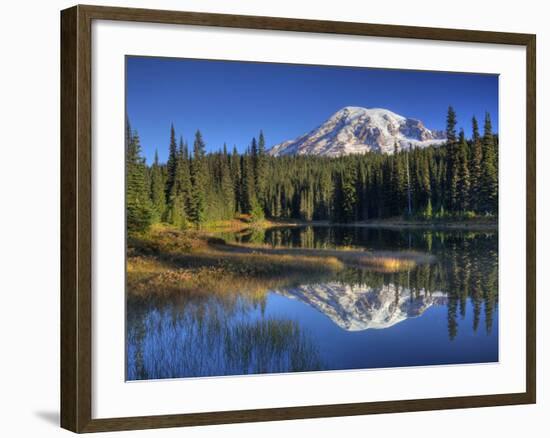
(166, 261)
(210, 342)
(385, 261)
(146, 275)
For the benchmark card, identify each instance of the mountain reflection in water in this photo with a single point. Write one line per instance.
(445, 312)
(359, 307)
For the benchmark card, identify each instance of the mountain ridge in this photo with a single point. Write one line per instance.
(357, 130)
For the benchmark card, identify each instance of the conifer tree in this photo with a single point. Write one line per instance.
(183, 176)
(199, 179)
(489, 170)
(255, 162)
(224, 153)
(475, 130)
(397, 183)
(248, 195)
(475, 167)
(226, 188)
(463, 197)
(158, 197)
(261, 163)
(171, 164)
(182, 187)
(349, 196)
(254, 158)
(345, 197)
(235, 168)
(361, 189)
(128, 134)
(176, 214)
(452, 160)
(428, 213)
(138, 203)
(306, 202)
(425, 186)
(451, 125)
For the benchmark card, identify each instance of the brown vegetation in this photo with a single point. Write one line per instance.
(166, 260)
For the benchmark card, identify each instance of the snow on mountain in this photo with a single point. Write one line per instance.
(356, 130)
(361, 307)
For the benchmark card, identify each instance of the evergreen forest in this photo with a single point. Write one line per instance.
(457, 180)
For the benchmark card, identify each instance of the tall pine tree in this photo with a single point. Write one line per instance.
(158, 197)
(475, 167)
(452, 161)
(235, 168)
(139, 214)
(463, 197)
(171, 164)
(199, 180)
(489, 170)
(261, 163)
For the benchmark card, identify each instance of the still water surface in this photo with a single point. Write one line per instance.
(445, 312)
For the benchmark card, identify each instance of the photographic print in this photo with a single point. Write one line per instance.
(286, 218)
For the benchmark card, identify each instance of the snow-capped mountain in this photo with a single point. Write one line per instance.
(361, 307)
(356, 130)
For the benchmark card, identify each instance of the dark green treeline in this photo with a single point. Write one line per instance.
(458, 179)
(467, 270)
(465, 267)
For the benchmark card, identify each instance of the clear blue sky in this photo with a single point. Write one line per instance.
(231, 101)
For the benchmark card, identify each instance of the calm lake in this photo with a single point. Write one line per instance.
(443, 312)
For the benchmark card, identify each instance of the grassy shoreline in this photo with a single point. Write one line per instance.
(472, 224)
(382, 260)
(165, 261)
(243, 223)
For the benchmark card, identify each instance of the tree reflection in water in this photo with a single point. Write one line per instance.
(216, 334)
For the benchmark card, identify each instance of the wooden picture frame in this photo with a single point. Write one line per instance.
(76, 217)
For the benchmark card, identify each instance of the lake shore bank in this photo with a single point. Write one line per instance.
(243, 223)
(389, 261)
(167, 260)
(473, 224)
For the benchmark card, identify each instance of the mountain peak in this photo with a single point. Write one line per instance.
(356, 111)
(356, 130)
